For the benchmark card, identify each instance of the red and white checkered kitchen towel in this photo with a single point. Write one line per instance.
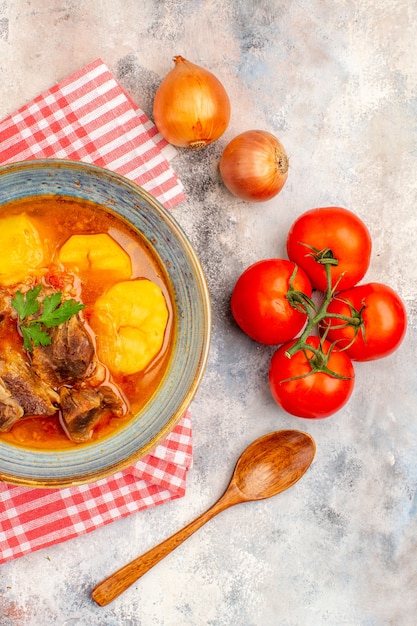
(89, 117)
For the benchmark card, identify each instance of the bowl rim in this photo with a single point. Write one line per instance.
(195, 262)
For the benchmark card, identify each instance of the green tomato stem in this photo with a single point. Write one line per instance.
(316, 316)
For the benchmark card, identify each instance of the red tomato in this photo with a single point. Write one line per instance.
(260, 305)
(335, 233)
(303, 392)
(382, 317)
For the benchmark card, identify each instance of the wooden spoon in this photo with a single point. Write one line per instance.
(268, 466)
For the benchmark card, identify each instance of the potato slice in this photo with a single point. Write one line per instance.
(100, 252)
(21, 249)
(130, 321)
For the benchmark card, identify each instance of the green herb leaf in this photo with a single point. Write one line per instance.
(28, 304)
(27, 338)
(33, 335)
(50, 303)
(53, 313)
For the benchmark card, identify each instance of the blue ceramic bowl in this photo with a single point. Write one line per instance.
(192, 323)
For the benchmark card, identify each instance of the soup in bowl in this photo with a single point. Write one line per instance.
(104, 323)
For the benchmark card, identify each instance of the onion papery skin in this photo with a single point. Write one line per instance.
(254, 166)
(191, 107)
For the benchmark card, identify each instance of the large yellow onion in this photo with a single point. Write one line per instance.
(191, 107)
(254, 166)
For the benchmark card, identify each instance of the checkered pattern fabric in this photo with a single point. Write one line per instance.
(89, 117)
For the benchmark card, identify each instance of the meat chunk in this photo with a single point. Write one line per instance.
(82, 409)
(10, 409)
(69, 357)
(21, 387)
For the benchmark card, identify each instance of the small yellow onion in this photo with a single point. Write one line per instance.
(254, 166)
(191, 107)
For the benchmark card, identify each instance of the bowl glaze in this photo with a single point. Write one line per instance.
(192, 323)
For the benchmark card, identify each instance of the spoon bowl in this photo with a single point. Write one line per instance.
(270, 465)
(273, 463)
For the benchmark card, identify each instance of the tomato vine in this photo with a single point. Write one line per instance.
(316, 315)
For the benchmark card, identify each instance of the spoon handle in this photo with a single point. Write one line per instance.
(116, 583)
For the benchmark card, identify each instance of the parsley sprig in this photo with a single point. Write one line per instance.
(35, 316)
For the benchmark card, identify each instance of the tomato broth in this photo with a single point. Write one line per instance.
(56, 219)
